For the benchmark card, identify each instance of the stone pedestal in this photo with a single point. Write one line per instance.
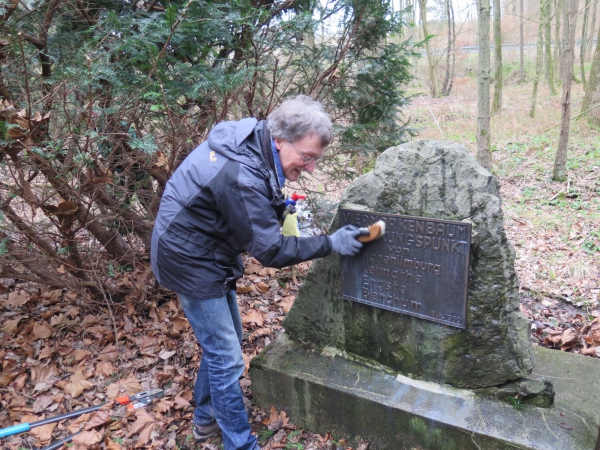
(329, 393)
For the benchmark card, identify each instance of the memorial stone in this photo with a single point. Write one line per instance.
(436, 182)
(442, 363)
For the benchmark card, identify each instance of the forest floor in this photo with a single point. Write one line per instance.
(61, 353)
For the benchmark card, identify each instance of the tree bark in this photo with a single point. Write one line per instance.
(560, 162)
(521, 41)
(484, 155)
(497, 101)
(582, 45)
(548, 45)
(590, 108)
(432, 76)
(538, 61)
(557, 42)
(590, 44)
(450, 53)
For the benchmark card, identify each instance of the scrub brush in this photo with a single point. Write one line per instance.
(375, 231)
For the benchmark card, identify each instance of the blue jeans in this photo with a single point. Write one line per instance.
(218, 327)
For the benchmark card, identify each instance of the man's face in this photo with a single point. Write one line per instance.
(294, 156)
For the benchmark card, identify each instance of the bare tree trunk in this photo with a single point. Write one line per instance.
(590, 44)
(497, 101)
(521, 41)
(574, 20)
(432, 76)
(450, 53)
(538, 61)
(590, 107)
(582, 45)
(557, 43)
(547, 6)
(484, 155)
(560, 162)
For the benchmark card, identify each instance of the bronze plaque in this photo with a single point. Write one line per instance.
(420, 267)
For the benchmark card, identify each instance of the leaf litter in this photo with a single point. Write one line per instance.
(61, 353)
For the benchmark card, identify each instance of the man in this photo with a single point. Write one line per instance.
(223, 200)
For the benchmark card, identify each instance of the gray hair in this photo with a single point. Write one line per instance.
(298, 117)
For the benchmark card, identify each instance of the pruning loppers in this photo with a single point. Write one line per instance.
(133, 402)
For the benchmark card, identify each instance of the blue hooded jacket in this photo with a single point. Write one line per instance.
(224, 199)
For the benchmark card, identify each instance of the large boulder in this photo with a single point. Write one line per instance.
(441, 180)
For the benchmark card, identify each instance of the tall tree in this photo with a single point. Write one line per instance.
(521, 41)
(547, 21)
(590, 107)
(558, 7)
(450, 51)
(590, 44)
(583, 42)
(560, 162)
(430, 62)
(538, 59)
(484, 154)
(497, 101)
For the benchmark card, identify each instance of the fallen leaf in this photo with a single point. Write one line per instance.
(268, 272)
(252, 269)
(87, 438)
(6, 378)
(243, 289)
(41, 330)
(277, 420)
(262, 287)
(105, 369)
(258, 333)
(166, 354)
(41, 403)
(43, 433)
(40, 374)
(253, 316)
(46, 352)
(123, 387)
(80, 354)
(11, 326)
(144, 425)
(78, 424)
(110, 352)
(98, 419)
(247, 360)
(111, 445)
(569, 339)
(278, 437)
(77, 385)
(181, 403)
(17, 299)
(286, 304)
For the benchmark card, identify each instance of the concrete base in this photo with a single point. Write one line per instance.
(333, 394)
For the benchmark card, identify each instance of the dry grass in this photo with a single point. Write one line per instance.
(555, 227)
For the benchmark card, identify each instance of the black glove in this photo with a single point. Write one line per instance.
(344, 240)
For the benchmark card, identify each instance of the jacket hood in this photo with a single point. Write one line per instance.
(226, 138)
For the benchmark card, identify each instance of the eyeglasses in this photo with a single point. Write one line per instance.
(307, 159)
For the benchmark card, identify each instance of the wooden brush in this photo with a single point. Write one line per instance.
(376, 231)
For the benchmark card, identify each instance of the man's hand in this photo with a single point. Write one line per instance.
(344, 240)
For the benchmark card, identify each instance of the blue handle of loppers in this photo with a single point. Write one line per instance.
(15, 429)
